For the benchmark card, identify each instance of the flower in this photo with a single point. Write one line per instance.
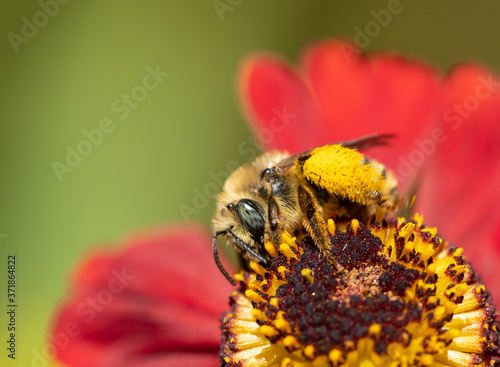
(446, 150)
(155, 302)
(399, 295)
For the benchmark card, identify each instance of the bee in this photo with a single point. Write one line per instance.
(280, 192)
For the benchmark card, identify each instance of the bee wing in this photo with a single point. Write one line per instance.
(287, 163)
(368, 141)
(362, 143)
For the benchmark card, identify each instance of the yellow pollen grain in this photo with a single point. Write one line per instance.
(480, 289)
(268, 331)
(458, 252)
(309, 351)
(290, 341)
(287, 362)
(257, 268)
(253, 296)
(355, 225)
(271, 250)
(309, 274)
(287, 251)
(331, 226)
(335, 356)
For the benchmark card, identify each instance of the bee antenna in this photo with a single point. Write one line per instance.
(217, 260)
(245, 247)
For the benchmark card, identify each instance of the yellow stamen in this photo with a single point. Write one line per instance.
(287, 251)
(309, 274)
(253, 296)
(374, 329)
(274, 302)
(257, 268)
(282, 270)
(268, 331)
(355, 225)
(309, 351)
(271, 250)
(291, 342)
(331, 226)
(419, 218)
(335, 356)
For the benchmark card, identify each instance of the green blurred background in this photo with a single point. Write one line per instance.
(64, 80)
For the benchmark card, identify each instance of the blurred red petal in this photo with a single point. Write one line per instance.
(160, 296)
(278, 104)
(360, 95)
(458, 191)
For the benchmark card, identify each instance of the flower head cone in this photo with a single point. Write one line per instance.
(398, 296)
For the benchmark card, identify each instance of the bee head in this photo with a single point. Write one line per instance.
(245, 235)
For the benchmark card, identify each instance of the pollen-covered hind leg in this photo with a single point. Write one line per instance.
(313, 221)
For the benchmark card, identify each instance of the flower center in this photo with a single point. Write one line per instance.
(398, 293)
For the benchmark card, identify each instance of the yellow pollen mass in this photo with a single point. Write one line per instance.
(342, 171)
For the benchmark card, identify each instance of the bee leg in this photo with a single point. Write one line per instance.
(313, 221)
(274, 215)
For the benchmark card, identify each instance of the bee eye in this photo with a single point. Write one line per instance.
(251, 217)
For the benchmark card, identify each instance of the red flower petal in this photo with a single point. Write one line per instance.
(160, 298)
(458, 192)
(277, 101)
(362, 95)
(344, 95)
